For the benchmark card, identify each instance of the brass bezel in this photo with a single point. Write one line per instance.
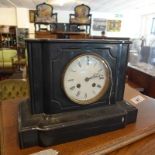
(103, 90)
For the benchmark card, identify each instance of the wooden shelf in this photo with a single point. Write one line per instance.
(8, 37)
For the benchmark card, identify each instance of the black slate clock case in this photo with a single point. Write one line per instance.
(50, 117)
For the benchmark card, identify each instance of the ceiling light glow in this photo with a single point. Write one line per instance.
(61, 2)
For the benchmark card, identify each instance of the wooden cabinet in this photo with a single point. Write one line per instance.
(8, 37)
(142, 80)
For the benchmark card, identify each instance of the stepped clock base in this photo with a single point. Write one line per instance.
(46, 130)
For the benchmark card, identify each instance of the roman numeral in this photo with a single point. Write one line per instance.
(78, 93)
(79, 64)
(70, 80)
(94, 92)
(101, 77)
(87, 60)
(100, 70)
(99, 86)
(72, 88)
(73, 70)
(95, 64)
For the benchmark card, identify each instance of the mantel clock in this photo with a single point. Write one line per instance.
(76, 90)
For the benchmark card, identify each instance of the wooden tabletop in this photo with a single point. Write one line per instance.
(145, 146)
(100, 144)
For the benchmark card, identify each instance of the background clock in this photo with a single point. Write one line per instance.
(76, 90)
(86, 78)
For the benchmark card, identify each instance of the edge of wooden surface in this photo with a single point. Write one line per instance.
(114, 143)
(121, 142)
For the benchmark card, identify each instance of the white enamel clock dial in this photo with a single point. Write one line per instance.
(86, 78)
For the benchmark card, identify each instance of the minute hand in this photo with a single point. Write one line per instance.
(94, 76)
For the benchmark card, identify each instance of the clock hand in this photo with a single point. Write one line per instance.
(94, 76)
(88, 78)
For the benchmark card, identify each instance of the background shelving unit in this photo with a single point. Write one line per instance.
(8, 37)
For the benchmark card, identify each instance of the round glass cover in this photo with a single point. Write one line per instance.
(86, 78)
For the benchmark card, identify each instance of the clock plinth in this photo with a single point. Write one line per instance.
(76, 90)
(46, 130)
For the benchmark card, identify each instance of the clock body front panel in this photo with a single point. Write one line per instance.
(74, 75)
